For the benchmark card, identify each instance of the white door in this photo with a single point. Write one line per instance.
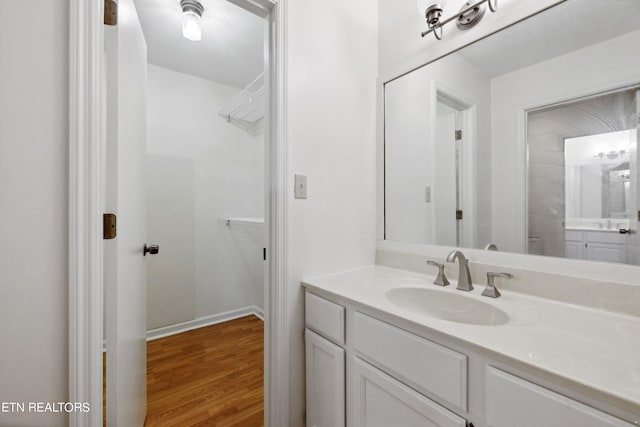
(633, 239)
(125, 272)
(445, 191)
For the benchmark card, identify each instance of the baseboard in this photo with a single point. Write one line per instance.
(258, 312)
(165, 331)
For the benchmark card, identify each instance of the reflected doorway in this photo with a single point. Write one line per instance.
(582, 178)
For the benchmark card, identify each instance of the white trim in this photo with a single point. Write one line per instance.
(276, 207)
(85, 213)
(260, 8)
(85, 210)
(201, 322)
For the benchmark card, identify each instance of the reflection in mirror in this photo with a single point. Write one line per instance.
(525, 139)
(579, 153)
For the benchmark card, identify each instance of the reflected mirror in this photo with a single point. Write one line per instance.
(525, 139)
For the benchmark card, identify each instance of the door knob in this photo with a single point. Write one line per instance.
(150, 249)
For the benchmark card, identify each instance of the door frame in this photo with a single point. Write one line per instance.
(86, 194)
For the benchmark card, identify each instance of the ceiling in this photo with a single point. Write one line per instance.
(564, 28)
(231, 50)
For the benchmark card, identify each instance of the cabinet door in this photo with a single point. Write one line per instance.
(609, 252)
(378, 400)
(512, 401)
(573, 249)
(325, 382)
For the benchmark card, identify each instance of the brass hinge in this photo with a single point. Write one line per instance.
(458, 214)
(110, 12)
(109, 227)
(638, 215)
(458, 135)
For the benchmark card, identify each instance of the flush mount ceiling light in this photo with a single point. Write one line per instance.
(192, 11)
(468, 16)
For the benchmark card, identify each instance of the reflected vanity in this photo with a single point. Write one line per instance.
(525, 139)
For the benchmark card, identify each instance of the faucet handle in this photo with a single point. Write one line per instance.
(491, 290)
(441, 280)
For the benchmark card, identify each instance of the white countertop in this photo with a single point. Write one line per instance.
(597, 349)
(585, 228)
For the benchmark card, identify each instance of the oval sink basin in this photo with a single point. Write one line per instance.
(447, 306)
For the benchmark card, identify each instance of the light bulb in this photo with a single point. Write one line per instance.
(191, 28)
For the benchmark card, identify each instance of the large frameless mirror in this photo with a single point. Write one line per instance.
(525, 139)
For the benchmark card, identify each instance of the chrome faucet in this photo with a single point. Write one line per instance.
(491, 290)
(464, 275)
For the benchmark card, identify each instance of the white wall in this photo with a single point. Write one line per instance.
(413, 152)
(558, 79)
(33, 207)
(331, 106)
(200, 169)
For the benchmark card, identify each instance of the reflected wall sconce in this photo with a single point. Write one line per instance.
(610, 155)
(467, 17)
(192, 11)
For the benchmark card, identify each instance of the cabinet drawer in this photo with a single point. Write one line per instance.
(605, 237)
(422, 364)
(512, 401)
(573, 236)
(325, 317)
(381, 401)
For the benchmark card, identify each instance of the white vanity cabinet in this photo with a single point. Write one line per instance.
(407, 377)
(608, 246)
(379, 400)
(391, 373)
(325, 382)
(512, 401)
(324, 362)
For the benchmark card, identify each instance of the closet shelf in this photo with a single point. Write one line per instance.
(247, 221)
(246, 110)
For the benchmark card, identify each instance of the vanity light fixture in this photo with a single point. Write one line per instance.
(192, 11)
(610, 155)
(467, 17)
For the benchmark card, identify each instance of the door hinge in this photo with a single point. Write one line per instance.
(638, 216)
(110, 12)
(458, 135)
(264, 254)
(458, 214)
(109, 227)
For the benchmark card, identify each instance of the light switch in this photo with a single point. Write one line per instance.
(300, 182)
(427, 194)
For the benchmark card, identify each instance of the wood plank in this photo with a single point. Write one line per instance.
(212, 376)
(209, 376)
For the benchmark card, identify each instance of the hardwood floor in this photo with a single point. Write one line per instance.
(211, 376)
